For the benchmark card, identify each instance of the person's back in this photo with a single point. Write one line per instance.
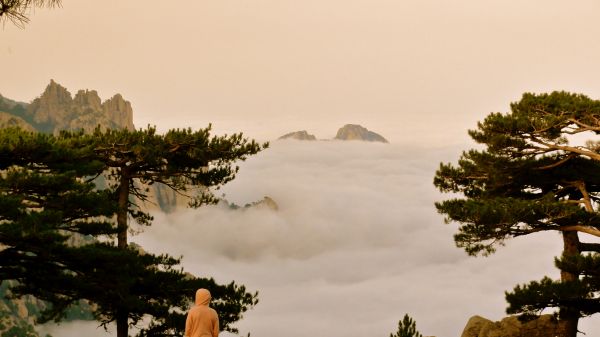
(202, 320)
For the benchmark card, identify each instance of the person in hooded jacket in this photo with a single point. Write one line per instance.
(202, 320)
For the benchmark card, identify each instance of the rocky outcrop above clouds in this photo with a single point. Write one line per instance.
(357, 132)
(544, 326)
(299, 135)
(266, 203)
(347, 132)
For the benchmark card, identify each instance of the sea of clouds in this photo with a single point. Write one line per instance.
(356, 244)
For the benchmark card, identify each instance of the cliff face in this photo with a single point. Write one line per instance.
(57, 110)
(119, 111)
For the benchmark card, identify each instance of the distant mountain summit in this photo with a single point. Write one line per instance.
(299, 135)
(56, 110)
(357, 132)
(347, 132)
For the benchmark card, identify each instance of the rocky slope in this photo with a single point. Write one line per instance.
(9, 120)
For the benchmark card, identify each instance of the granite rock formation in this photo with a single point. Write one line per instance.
(357, 132)
(57, 110)
(299, 135)
(544, 326)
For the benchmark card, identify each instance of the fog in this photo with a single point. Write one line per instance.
(356, 244)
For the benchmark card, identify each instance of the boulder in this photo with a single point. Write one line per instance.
(543, 326)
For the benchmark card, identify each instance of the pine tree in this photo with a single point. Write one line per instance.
(48, 195)
(188, 162)
(529, 179)
(407, 327)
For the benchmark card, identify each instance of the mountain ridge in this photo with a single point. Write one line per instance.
(56, 109)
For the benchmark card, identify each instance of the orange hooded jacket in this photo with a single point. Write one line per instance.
(202, 321)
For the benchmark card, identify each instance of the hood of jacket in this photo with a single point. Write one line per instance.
(202, 297)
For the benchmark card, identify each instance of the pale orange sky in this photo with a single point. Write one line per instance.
(406, 69)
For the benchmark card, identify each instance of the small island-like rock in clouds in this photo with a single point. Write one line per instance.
(347, 132)
(266, 203)
(357, 132)
(299, 135)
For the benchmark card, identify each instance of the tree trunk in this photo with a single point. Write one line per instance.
(122, 324)
(569, 317)
(123, 195)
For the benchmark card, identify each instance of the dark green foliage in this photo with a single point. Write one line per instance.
(184, 160)
(407, 327)
(580, 294)
(188, 162)
(530, 179)
(48, 199)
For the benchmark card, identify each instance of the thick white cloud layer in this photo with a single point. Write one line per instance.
(355, 244)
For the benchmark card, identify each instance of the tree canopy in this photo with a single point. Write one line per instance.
(56, 225)
(407, 327)
(538, 172)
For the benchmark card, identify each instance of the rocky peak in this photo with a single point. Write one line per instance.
(119, 110)
(357, 132)
(87, 99)
(299, 135)
(51, 106)
(55, 110)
